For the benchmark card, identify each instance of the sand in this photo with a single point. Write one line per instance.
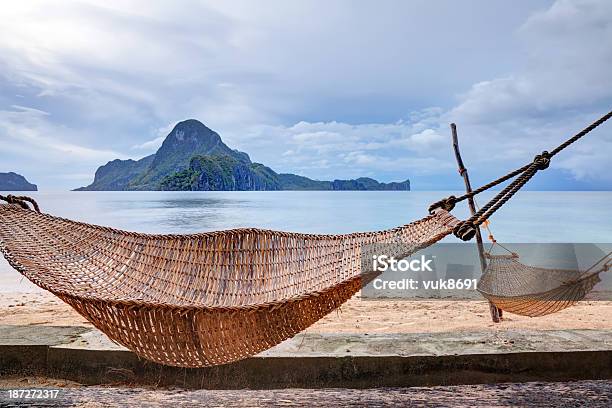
(355, 316)
(24, 382)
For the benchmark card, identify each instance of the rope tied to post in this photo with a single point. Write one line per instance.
(466, 230)
(21, 201)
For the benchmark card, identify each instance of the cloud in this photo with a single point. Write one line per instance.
(568, 50)
(29, 139)
(364, 89)
(154, 144)
(30, 110)
(427, 139)
(564, 86)
(28, 130)
(322, 150)
(150, 145)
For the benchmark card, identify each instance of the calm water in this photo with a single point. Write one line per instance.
(529, 217)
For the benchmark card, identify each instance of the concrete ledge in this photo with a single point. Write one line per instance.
(323, 361)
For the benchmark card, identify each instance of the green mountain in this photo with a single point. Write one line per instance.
(193, 157)
(224, 173)
(188, 139)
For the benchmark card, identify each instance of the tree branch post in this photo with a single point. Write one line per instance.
(496, 313)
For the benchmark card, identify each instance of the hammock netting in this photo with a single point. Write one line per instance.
(532, 291)
(202, 299)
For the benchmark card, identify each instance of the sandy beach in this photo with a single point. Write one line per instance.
(355, 316)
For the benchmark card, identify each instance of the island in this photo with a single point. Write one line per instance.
(15, 182)
(194, 158)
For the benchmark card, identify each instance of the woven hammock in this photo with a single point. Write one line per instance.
(531, 291)
(202, 299)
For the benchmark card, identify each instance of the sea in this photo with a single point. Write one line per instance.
(531, 216)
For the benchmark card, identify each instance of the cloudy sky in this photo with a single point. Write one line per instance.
(326, 89)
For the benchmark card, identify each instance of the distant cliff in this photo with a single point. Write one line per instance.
(15, 182)
(193, 157)
(224, 173)
(117, 175)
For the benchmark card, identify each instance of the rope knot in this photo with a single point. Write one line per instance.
(542, 160)
(446, 204)
(465, 230)
(21, 201)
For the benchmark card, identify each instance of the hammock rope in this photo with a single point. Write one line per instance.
(21, 201)
(466, 230)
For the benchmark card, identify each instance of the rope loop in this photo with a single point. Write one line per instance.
(542, 160)
(465, 230)
(21, 201)
(447, 204)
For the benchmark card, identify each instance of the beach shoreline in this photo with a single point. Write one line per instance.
(355, 316)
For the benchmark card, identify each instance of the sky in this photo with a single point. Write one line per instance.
(328, 90)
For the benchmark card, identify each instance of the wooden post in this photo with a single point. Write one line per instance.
(495, 312)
